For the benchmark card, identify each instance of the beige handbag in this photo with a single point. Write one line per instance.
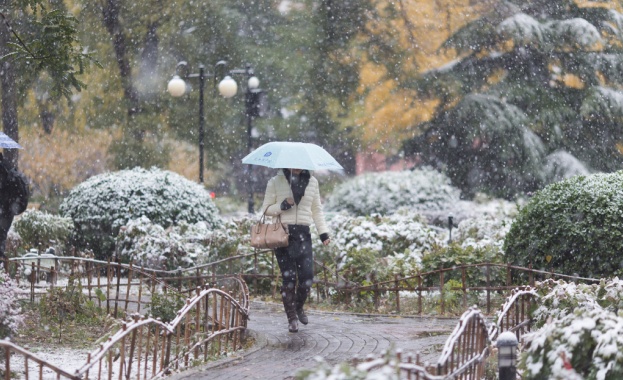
(269, 236)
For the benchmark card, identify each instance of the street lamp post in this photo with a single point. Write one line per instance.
(252, 109)
(177, 87)
(227, 87)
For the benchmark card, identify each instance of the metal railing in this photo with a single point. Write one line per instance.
(125, 289)
(468, 347)
(211, 322)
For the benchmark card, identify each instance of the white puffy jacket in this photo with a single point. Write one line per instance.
(308, 211)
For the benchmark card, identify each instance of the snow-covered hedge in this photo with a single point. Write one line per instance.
(574, 226)
(398, 240)
(486, 231)
(184, 245)
(422, 190)
(39, 229)
(586, 344)
(579, 332)
(10, 312)
(104, 203)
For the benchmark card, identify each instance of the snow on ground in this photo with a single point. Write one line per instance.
(66, 359)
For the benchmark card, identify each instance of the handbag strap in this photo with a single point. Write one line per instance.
(263, 217)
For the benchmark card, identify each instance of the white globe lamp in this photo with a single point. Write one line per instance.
(228, 87)
(176, 86)
(253, 83)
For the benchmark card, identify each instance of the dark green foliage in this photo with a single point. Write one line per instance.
(165, 306)
(130, 153)
(512, 97)
(69, 303)
(572, 227)
(361, 269)
(453, 255)
(39, 229)
(46, 41)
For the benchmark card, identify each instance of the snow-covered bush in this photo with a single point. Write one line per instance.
(10, 313)
(184, 245)
(422, 190)
(397, 240)
(584, 344)
(558, 299)
(486, 231)
(579, 332)
(561, 165)
(574, 227)
(104, 203)
(481, 206)
(474, 241)
(39, 229)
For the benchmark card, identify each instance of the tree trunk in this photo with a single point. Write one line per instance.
(110, 14)
(9, 98)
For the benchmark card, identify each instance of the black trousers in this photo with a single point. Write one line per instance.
(6, 219)
(296, 263)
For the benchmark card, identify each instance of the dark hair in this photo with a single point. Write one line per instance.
(288, 173)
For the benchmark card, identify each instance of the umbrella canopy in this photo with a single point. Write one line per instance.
(8, 143)
(292, 155)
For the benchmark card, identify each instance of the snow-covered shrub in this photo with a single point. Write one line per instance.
(481, 206)
(104, 203)
(454, 255)
(39, 229)
(383, 193)
(397, 240)
(558, 299)
(474, 241)
(10, 313)
(574, 227)
(484, 232)
(579, 331)
(584, 344)
(184, 245)
(561, 165)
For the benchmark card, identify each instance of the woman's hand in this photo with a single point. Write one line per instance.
(326, 242)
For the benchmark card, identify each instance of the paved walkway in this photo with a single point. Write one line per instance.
(278, 354)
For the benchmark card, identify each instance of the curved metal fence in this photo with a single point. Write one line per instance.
(214, 318)
(211, 322)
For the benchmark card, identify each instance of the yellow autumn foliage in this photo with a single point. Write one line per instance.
(55, 163)
(387, 112)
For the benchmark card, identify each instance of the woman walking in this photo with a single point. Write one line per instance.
(294, 195)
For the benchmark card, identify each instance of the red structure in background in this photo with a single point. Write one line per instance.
(377, 162)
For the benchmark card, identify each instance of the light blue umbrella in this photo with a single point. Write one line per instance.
(8, 143)
(292, 155)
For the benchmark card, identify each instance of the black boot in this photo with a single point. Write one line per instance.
(301, 297)
(293, 326)
(289, 304)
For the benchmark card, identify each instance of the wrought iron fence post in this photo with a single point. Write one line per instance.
(396, 282)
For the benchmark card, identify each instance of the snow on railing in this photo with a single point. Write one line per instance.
(514, 314)
(211, 323)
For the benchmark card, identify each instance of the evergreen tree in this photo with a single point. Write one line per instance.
(532, 78)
